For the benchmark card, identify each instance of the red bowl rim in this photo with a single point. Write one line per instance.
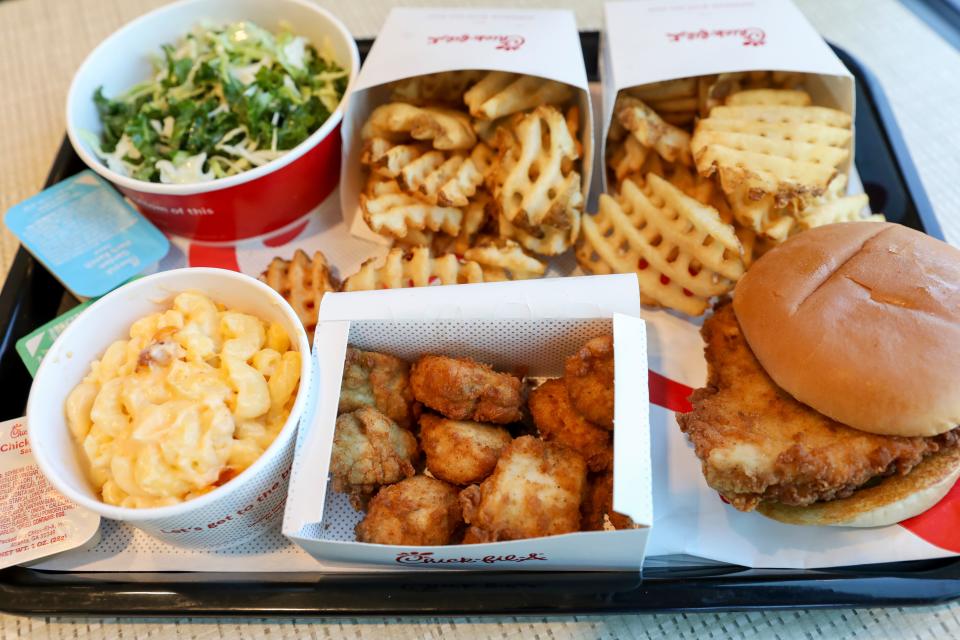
(143, 186)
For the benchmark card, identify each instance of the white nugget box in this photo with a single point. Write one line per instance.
(648, 41)
(415, 42)
(534, 324)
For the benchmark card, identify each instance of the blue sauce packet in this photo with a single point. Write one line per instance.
(86, 234)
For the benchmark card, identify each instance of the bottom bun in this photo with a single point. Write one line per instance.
(892, 500)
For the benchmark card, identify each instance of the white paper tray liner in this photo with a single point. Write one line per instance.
(123, 548)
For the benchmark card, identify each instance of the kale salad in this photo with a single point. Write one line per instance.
(222, 100)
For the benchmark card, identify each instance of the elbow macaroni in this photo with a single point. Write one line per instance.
(192, 399)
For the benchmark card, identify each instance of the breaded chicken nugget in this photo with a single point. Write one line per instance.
(535, 490)
(461, 451)
(370, 450)
(378, 380)
(417, 511)
(558, 422)
(589, 376)
(597, 512)
(462, 389)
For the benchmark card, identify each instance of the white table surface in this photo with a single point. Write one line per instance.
(43, 41)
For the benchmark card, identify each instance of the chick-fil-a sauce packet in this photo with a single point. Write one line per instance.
(35, 520)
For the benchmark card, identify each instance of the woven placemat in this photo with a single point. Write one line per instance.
(43, 41)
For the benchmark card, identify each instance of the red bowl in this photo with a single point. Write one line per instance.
(252, 203)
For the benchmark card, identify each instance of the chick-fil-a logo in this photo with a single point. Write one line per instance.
(752, 36)
(426, 557)
(17, 431)
(503, 43)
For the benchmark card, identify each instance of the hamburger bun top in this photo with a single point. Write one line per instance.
(860, 321)
(892, 500)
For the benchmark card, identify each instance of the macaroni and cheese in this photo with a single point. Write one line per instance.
(192, 399)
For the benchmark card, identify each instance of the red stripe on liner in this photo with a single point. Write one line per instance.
(283, 238)
(939, 524)
(669, 394)
(200, 255)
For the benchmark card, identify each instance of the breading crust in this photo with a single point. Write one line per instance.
(558, 421)
(589, 376)
(462, 389)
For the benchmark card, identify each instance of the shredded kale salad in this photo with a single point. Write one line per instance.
(223, 99)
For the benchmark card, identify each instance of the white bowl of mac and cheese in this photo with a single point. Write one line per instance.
(172, 404)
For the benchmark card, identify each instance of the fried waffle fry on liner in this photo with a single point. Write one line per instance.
(301, 281)
(419, 268)
(680, 249)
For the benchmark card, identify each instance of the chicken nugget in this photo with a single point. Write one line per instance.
(558, 422)
(535, 490)
(596, 512)
(461, 451)
(370, 450)
(462, 389)
(378, 380)
(589, 376)
(417, 511)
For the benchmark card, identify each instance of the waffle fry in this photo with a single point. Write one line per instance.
(846, 209)
(670, 142)
(770, 97)
(780, 228)
(475, 219)
(446, 129)
(535, 184)
(420, 238)
(387, 158)
(755, 213)
(704, 190)
(716, 90)
(748, 242)
(627, 157)
(836, 206)
(302, 282)
(546, 240)
(768, 149)
(776, 224)
(416, 268)
(680, 250)
(395, 213)
(674, 105)
(505, 260)
(462, 186)
(665, 90)
(501, 94)
(446, 87)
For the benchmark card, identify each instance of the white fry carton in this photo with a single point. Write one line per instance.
(414, 42)
(535, 324)
(649, 41)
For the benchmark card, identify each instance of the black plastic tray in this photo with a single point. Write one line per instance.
(31, 297)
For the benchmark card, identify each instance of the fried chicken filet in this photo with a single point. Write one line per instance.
(757, 443)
